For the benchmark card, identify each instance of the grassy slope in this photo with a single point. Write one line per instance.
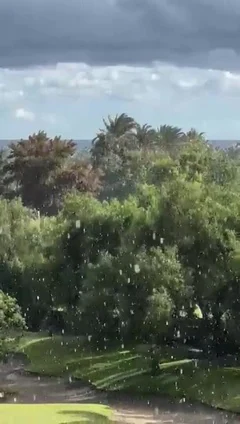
(129, 370)
(54, 414)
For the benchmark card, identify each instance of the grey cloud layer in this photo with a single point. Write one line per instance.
(201, 33)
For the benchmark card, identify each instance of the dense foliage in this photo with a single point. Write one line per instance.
(138, 240)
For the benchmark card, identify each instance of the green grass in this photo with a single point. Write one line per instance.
(50, 356)
(55, 414)
(129, 370)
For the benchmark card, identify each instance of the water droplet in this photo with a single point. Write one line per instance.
(78, 224)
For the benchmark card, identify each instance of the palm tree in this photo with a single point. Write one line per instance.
(194, 135)
(119, 125)
(145, 135)
(31, 165)
(114, 129)
(169, 137)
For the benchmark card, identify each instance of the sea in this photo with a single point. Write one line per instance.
(85, 145)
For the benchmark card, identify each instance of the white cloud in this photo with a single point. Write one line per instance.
(22, 113)
(129, 83)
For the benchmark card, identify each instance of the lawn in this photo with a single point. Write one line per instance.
(54, 414)
(129, 370)
(50, 356)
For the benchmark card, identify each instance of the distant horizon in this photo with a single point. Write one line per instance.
(85, 143)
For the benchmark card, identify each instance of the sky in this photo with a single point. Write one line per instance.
(66, 64)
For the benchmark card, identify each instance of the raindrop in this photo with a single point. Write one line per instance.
(89, 337)
(34, 398)
(122, 346)
(63, 331)
(120, 271)
(78, 224)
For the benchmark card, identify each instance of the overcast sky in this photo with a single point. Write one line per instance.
(65, 64)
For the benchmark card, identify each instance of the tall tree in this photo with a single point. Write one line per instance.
(145, 135)
(194, 135)
(119, 125)
(169, 138)
(43, 168)
(111, 137)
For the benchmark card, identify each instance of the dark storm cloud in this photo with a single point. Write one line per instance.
(187, 32)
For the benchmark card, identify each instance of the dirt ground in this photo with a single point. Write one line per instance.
(35, 389)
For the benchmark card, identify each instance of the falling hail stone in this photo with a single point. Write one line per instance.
(137, 268)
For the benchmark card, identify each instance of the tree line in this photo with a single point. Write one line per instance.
(137, 240)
